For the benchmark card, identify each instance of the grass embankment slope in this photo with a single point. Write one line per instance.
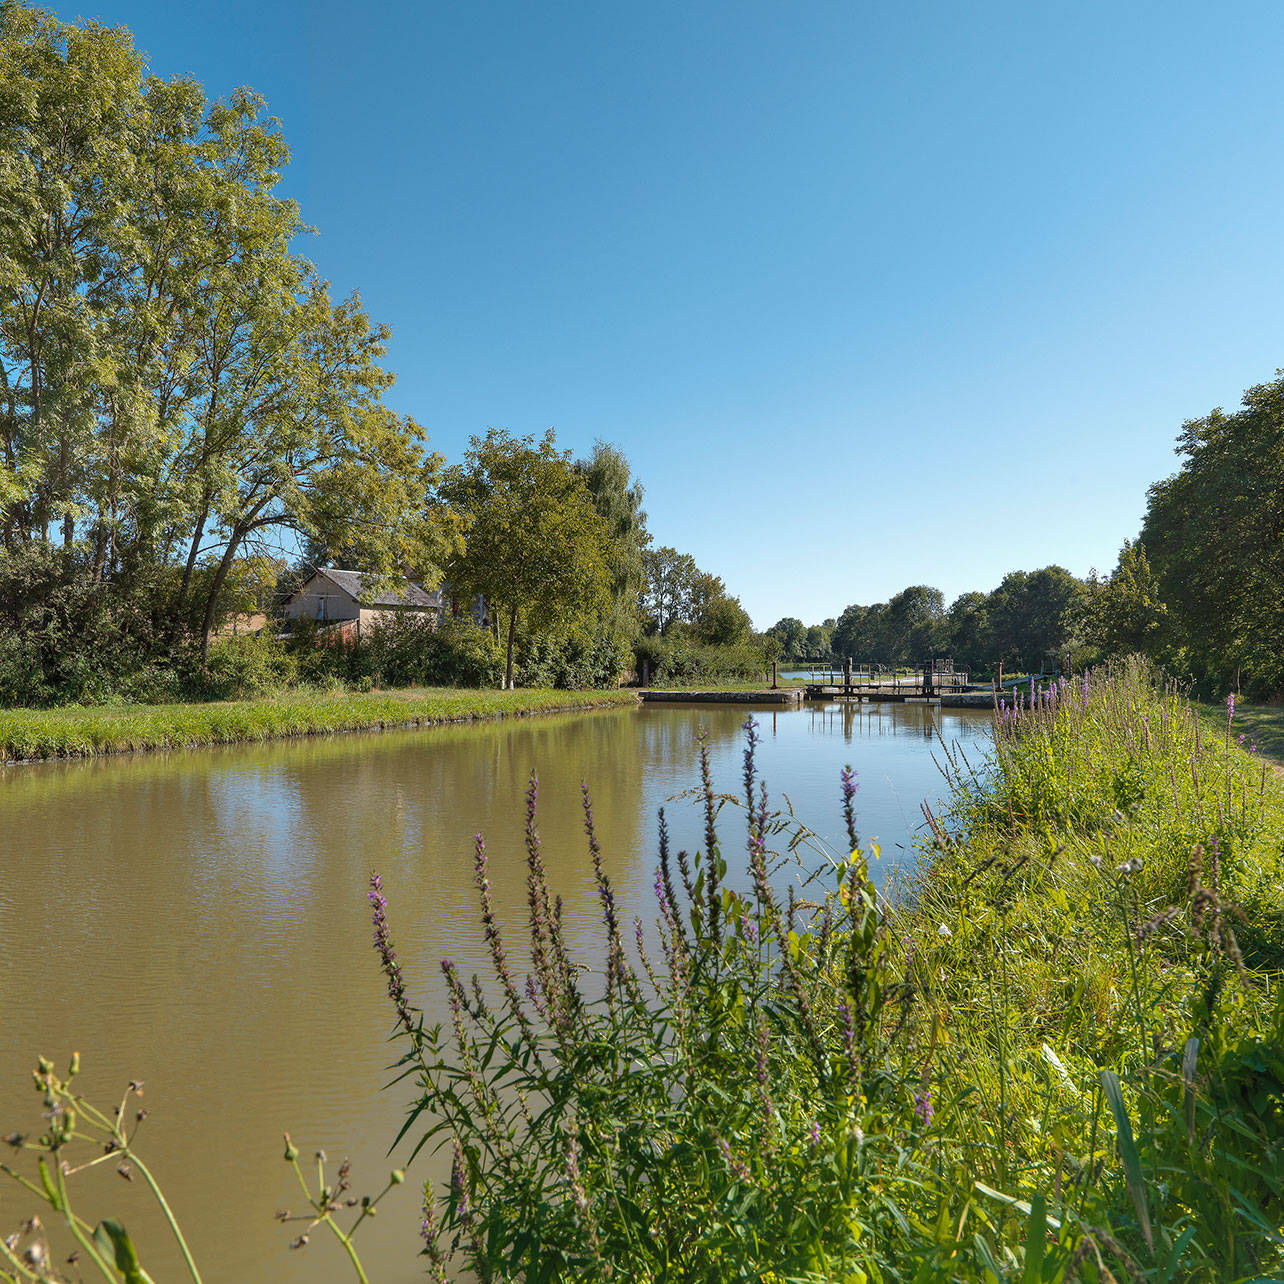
(1099, 933)
(82, 732)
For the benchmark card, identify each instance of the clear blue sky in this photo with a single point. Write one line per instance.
(869, 294)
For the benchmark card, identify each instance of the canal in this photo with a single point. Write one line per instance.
(197, 921)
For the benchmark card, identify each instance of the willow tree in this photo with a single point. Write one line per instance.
(535, 546)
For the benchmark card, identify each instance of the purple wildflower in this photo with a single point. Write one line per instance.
(814, 1132)
(923, 1106)
(734, 1162)
(428, 1233)
(458, 1187)
(387, 955)
(849, 811)
(1230, 706)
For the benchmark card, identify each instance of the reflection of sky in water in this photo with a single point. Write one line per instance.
(199, 920)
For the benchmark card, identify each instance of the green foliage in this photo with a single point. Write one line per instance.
(1125, 615)
(536, 546)
(617, 497)
(792, 635)
(404, 650)
(1212, 536)
(670, 587)
(248, 666)
(1035, 616)
(572, 663)
(702, 1118)
(683, 661)
(176, 382)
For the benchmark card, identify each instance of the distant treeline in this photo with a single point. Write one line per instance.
(1030, 617)
(1199, 591)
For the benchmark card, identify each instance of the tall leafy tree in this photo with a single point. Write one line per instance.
(1214, 536)
(911, 625)
(670, 586)
(1035, 615)
(792, 635)
(617, 497)
(1125, 613)
(970, 632)
(535, 546)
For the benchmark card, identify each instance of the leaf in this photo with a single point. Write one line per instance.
(1128, 1153)
(1035, 1239)
(1021, 1205)
(1059, 1066)
(1188, 1061)
(113, 1242)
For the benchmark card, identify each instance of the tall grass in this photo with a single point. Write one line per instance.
(76, 732)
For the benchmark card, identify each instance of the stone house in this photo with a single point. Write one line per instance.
(347, 602)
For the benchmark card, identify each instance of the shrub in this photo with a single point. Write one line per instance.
(681, 661)
(573, 664)
(246, 666)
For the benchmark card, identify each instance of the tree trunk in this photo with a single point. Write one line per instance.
(192, 552)
(512, 634)
(211, 603)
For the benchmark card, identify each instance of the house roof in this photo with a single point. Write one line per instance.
(356, 584)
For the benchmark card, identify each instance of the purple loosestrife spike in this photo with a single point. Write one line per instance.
(849, 808)
(666, 869)
(491, 931)
(1230, 706)
(849, 1041)
(428, 1233)
(750, 729)
(734, 1162)
(923, 1106)
(458, 1186)
(659, 894)
(387, 956)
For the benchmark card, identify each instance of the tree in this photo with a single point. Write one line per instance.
(176, 384)
(1125, 614)
(617, 497)
(910, 626)
(670, 583)
(1214, 536)
(721, 621)
(820, 640)
(535, 546)
(1035, 615)
(792, 634)
(857, 635)
(970, 632)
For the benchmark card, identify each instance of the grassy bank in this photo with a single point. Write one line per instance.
(80, 732)
(1098, 933)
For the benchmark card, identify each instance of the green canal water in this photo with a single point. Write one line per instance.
(198, 921)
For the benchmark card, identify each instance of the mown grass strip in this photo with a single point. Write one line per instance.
(27, 734)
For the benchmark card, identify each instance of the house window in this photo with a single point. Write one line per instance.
(321, 607)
